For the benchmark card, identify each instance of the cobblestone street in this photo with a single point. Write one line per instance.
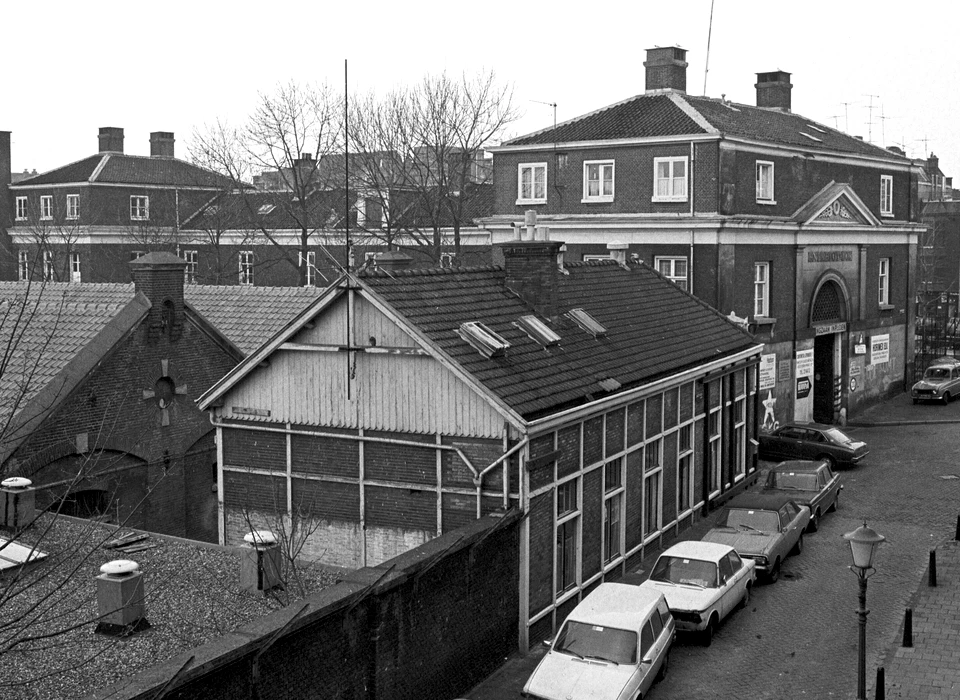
(798, 637)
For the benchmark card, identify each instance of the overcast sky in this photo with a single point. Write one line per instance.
(73, 67)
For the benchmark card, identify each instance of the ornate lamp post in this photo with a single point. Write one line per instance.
(863, 544)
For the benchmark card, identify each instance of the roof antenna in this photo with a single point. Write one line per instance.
(706, 67)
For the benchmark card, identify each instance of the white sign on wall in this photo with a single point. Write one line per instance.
(880, 349)
(768, 371)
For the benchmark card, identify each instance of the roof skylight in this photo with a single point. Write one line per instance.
(266, 209)
(485, 341)
(587, 322)
(538, 330)
(812, 138)
(816, 128)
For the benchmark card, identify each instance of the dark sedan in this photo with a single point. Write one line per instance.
(812, 441)
(810, 483)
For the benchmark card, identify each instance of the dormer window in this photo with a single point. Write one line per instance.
(485, 341)
(538, 330)
(587, 322)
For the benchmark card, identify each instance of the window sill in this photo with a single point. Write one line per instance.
(523, 202)
(886, 307)
(669, 199)
(763, 321)
(886, 215)
(596, 200)
(767, 201)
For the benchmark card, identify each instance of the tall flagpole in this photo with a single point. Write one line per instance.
(706, 68)
(346, 221)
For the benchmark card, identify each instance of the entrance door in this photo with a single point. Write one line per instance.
(823, 384)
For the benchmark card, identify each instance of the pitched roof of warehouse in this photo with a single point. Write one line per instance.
(124, 169)
(654, 330)
(660, 114)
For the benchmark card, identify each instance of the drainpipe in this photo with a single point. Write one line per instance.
(692, 190)
(478, 479)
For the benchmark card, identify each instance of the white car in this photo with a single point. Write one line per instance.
(703, 583)
(614, 645)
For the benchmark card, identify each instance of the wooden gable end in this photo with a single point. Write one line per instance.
(382, 379)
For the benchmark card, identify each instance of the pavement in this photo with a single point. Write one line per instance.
(927, 670)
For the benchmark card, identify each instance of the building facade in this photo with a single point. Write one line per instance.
(603, 401)
(804, 234)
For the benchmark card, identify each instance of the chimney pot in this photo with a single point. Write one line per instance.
(666, 69)
(111, 139)
(618, 251)
(773, 90)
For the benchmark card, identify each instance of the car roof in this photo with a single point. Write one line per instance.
(758, 501)
(945, 361)
(817, 426)
(620, 605)
(689, 549)
(798, 465)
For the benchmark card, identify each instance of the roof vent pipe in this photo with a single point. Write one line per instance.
(120, 598)
(17, 503)
(260, 561)
(530, 224)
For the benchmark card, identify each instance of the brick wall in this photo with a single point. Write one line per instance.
(399, 631)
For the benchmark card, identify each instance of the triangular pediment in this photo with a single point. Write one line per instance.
(836, 205)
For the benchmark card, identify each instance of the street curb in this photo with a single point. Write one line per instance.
(889, 423)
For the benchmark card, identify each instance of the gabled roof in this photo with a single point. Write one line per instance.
(123, 169)
(660, 114)
(654, 330)
(837, 202)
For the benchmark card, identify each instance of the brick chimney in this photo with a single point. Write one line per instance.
(531, 270)
(666, 69)
(6, 177)
(159, 276)
(111, 139)
(161, 144)
(773, 90)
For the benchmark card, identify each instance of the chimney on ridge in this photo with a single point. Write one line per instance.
(531, 268)
(111, 139)
(666, 69)
(6, 177)
(159, 277)
(773, 90)
(161, 144)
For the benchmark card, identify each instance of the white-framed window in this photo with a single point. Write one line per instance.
(447, 259)
(739, 437)
(670, 179)
(46, 207)
(568, 534)
(311, 262)
(613, 520)
(685, 468)
(714, 449)
(139, 208)
(761, 289)
(884, 279)
(765, 182)
(21, 209)
(23, 265)
(245, 262)
(73, 206)
(652, 486)
(673, 268)
(75, 267)
(598, 181)
(532, 183)
(192, 258)
(48, 266)
(134, 254)
(886, 195)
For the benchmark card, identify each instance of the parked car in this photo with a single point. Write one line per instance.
(810, 483)
(614, 645)
(812, 441)
(764, 528)
(941, 381)
(703, 583)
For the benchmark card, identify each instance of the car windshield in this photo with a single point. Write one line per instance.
(837, 436)
(597, 642)
(937, 373)
(800, 481)
(749, 519)
(691, 572)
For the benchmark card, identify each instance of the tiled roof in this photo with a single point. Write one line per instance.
(655, 329)
(677, 114)
(248, 316)
(120, 168)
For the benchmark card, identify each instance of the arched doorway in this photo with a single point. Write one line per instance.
(829, 309)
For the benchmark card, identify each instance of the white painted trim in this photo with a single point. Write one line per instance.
(609, 143)
(740, 143)
(601, 198)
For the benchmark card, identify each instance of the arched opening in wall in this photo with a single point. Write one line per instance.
(87, 503)
(829, 307)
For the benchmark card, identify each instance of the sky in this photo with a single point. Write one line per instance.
(887, 71)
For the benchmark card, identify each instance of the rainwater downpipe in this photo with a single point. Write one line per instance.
(692, 190)
(478, 479)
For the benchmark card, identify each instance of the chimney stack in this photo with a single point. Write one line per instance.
(6, 177)
(666, 69)
(120, 598)
(773, 90)
(159, 276)
(111, 139)
(161, 144)
(393, 260)
(17, 503)
(531, 269)
(260, 561)
(618, 251)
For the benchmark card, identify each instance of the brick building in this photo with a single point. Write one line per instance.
(97, 390)
(607, 403)
(806, 234)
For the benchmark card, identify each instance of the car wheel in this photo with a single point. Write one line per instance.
(798, 547)
(662, 673)
(709, 631)
(774, 574)
(745, 601)
(946, 398)
(836, 502)
(831, 462)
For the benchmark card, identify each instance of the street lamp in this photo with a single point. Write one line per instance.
(863, 544)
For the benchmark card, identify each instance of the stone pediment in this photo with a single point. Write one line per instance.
(836, 205)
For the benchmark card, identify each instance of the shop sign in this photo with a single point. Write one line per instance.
(804, 373)
(768, 371)
(880, 349)
(831, 328)
(803, 387)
